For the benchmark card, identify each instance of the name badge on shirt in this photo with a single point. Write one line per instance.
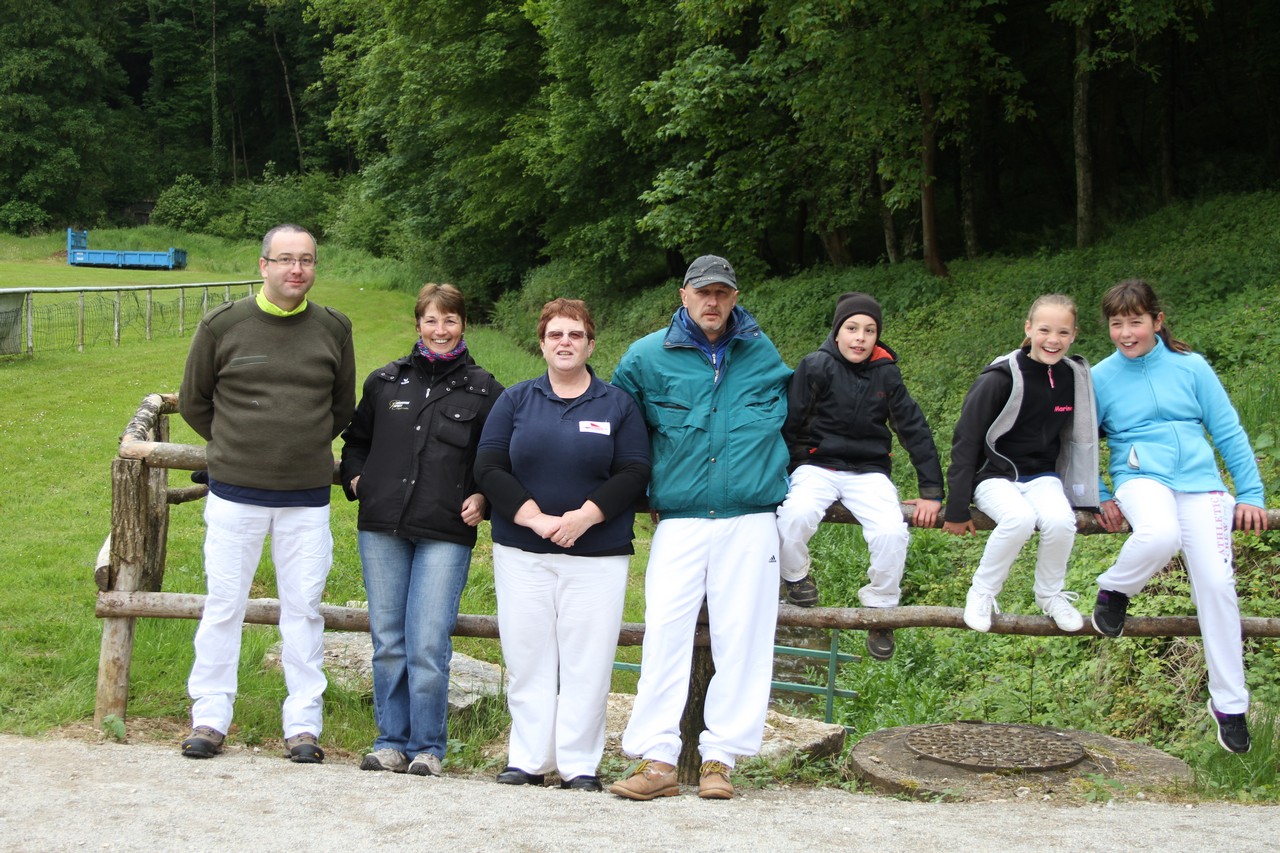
(597, 427)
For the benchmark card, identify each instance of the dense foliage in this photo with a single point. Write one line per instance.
(483, 139)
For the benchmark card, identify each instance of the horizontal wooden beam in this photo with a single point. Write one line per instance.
(266, 611)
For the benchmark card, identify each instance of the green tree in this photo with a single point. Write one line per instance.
(801, 108)
(435, 101)
(1108, 33)
(234, 84)
(68, 137)
(593, 145)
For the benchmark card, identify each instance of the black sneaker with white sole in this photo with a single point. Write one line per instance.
(1233, 730)
(1109, 612)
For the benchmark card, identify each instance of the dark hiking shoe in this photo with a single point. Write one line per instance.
(303, 748)
(880, 643)
(802, 593)
(583, 783)
(203, 742)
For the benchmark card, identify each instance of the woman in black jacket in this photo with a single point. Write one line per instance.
(408, 458)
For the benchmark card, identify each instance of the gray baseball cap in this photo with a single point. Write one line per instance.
(710, 269)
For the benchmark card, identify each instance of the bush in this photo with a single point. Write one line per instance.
(247, 210)
(23, 217)
(362, 220)
(308, 200)
(184, 205)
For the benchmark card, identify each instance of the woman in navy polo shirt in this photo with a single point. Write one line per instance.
(562, 460)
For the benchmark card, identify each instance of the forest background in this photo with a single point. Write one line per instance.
(954, 158)
(485, 141)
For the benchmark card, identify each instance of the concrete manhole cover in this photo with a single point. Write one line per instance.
(995, 747)
(939, 762)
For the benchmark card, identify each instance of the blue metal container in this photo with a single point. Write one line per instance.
(79, 254)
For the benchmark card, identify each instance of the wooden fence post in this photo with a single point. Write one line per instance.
(139, 527)
(156, 517)
(128, 537)
(693, 721)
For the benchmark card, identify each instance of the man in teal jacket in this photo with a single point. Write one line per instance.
(712, 389)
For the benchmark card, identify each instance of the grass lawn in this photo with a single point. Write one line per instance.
(62, 412)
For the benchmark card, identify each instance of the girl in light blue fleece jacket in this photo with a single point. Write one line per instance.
(1159, 405)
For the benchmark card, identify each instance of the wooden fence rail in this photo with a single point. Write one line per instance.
(266, 611)
(130, 572)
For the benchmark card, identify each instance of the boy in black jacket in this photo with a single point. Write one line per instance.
(843, 400)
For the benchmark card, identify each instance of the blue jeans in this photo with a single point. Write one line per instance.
(414, 588)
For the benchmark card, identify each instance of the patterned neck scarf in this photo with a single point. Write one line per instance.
(441, 356)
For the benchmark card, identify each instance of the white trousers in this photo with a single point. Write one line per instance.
(558, 617)
(873, 501)
(733, 564)
(1198, 524)
(1018, 509)
(302, 552)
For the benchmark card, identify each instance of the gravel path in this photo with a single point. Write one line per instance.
(64, 794)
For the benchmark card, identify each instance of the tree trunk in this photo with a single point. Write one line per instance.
(928, 195)
(836, 246)
(215, 126)
(1168, 107)
(692, 722)
(1080, 137)
(969, 198)
(288, 91)
(887, 223)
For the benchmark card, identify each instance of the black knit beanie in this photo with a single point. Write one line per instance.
(857, 303)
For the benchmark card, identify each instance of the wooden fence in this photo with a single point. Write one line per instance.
(129, 574)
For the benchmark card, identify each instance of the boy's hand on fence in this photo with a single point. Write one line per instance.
(926, 513)
(959, 528)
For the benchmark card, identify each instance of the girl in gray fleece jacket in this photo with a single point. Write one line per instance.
(1025, 452)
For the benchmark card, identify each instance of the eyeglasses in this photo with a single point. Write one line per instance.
(576, 335)
(306, 261)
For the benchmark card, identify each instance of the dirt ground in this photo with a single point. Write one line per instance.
(67, 793)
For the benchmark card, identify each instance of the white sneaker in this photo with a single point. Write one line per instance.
(1062, 611)
(977, 610)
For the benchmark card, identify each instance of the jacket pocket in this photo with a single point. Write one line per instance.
(1152, 458)
(757, 453)
(669, 413)
(457, 426)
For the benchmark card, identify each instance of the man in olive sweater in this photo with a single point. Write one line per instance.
(269, 384)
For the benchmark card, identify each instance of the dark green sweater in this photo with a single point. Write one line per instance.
(270, 394)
